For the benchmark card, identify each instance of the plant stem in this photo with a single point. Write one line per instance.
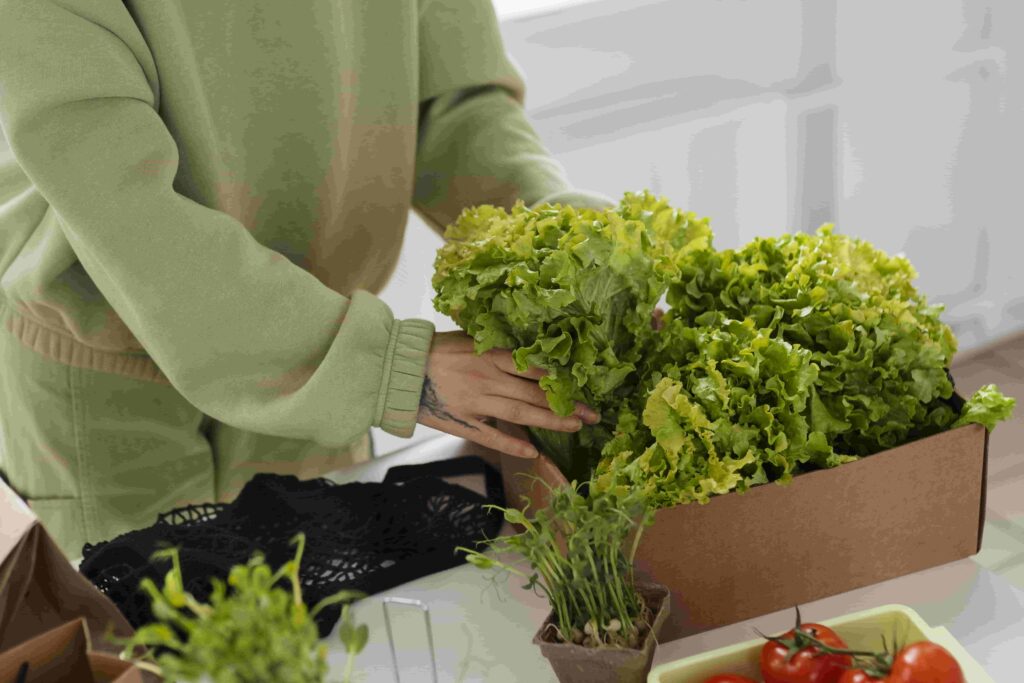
(348, 667)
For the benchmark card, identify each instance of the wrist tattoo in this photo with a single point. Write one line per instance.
(432, 403)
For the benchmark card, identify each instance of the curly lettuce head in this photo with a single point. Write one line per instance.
(792, 353)
(736, 408)
(881, 350)
(571, 291)
(568, 290)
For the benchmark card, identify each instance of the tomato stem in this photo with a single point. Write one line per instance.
(802, 639)
(875, 664)
(829, 650)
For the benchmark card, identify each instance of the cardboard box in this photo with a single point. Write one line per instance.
(61, 654)
(52, 617)
(827, 532)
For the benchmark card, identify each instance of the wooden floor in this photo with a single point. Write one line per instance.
(1003, 365)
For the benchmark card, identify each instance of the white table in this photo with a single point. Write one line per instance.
(483, 632)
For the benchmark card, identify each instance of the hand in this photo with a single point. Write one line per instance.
(463, 391)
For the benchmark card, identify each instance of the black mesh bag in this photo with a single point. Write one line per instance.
(362, 536)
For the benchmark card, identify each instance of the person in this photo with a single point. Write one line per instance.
(198, 201)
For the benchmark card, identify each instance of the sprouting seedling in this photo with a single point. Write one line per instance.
(577, 554)
(354, 637)
(252, 629)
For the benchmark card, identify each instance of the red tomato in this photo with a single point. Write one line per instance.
(916, 663)
(729, 678)
(859, 676)
(925, 662)
(807, 665)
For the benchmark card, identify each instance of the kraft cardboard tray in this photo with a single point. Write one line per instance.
(862, 630)
(827, 532)
(63, 654)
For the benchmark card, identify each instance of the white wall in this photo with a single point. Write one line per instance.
(931, 130)
(902, 122)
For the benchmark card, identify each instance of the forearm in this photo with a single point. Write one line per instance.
(244, 334)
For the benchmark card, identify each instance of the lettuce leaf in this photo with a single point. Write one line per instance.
(987, 407)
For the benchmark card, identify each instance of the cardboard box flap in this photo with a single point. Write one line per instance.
(56, 655)
(62, 654)
(39, 589)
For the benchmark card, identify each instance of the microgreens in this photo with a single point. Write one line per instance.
(579, 553)
(252, 630)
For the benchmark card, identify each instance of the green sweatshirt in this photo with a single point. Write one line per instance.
(209, 192)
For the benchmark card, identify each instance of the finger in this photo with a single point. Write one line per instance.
(529, 392)
(520, 413)
(485, 435)
(586, 413)
(503, 361)
(498, 440)
(524, 390)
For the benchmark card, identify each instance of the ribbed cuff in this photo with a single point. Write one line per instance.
(578, 199)
(404, 367)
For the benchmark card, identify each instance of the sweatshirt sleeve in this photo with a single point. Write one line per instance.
(245, 335)
(476, 144)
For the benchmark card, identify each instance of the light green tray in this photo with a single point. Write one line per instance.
(861, 630)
